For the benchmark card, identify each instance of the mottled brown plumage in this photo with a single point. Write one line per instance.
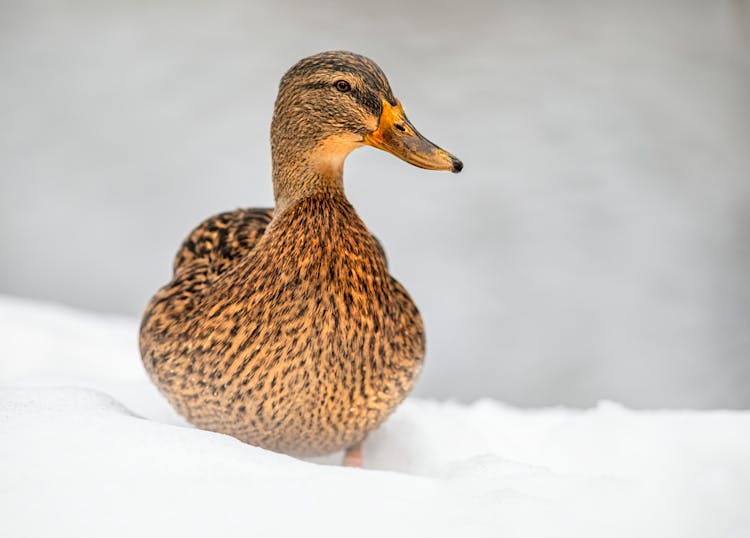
(284, 327)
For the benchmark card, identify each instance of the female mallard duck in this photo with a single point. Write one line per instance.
(282, 327)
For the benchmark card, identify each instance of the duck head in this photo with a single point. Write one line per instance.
(330, 104)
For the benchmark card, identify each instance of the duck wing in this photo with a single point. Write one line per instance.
(219, 242)
(212, 248)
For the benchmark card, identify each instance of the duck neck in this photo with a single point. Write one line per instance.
(296, 180)
(301, 171)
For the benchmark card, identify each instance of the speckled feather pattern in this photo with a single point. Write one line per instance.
(288, 332)
(284, 327)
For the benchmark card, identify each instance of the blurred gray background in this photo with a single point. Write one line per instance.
(596, 246)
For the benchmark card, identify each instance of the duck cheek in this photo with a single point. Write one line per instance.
(370, 123)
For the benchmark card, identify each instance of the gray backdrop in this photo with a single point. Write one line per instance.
(596, 245)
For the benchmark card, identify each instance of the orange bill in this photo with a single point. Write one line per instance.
(396, 135)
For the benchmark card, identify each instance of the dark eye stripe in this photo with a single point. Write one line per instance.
(316, 85)
(368, 99)
(364, 96)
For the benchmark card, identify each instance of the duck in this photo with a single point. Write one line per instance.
(283, 327)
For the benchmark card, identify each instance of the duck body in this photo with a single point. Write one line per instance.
(283, 327)
(303, 343)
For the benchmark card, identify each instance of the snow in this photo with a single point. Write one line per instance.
(89, 448)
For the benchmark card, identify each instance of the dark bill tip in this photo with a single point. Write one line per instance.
(457, 165)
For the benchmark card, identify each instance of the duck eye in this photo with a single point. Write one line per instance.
(342, 86)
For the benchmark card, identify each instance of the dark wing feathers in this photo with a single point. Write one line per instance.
(219, 241)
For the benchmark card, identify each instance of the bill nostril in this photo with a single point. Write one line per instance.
(400, 127)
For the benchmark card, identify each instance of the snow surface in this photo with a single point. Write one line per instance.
(89, 448)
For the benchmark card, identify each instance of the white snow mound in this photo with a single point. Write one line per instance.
(89, 448)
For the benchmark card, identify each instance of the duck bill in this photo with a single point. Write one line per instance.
(396, 135)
